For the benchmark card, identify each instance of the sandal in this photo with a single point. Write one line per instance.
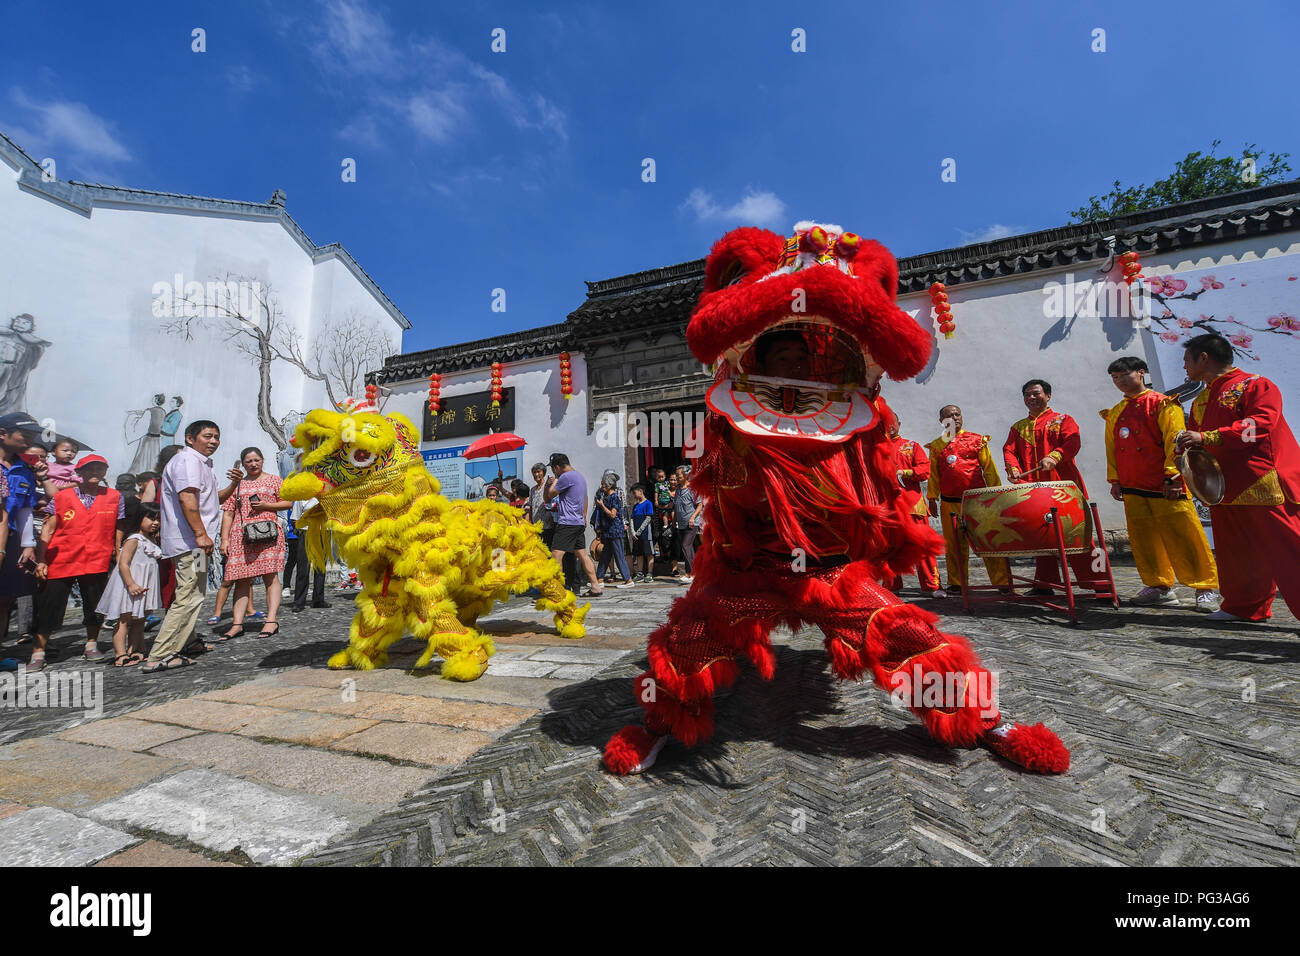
(171, 662)
(215, 619)
(266, 633)
(198, 646)
(117, 661)
(235, 631)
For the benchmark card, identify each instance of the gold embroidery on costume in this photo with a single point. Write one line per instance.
(1267, 490)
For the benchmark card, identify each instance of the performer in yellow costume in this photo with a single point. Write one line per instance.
(959, 461)
(1167, 537)
(427, 565)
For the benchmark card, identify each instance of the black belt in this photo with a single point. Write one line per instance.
(1148, 494)
(950, 499)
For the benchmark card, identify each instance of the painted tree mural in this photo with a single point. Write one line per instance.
(1174, 296)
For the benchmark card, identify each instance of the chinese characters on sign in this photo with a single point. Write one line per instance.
(472, 414)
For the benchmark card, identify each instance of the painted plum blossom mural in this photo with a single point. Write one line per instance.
(1173, 313)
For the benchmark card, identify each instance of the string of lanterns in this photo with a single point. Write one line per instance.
(566, 376)
(1130, 266)
(496, 384)
(372, 394)
(942, 310)
(435, 393)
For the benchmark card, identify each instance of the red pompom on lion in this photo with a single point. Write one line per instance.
(803, 517)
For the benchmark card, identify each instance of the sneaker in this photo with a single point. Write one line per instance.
(686, 578)
(625, 584)
(941, 593)
(286, 593)
(1207, 601)
(1155, 597)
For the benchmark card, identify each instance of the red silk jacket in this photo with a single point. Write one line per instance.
(1140, 436)
(914, 465)
(1241, 416)
(1052, 434)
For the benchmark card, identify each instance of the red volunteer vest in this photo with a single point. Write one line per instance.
(83, 541)
(1139, 446)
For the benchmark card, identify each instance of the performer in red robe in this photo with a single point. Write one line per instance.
(914, 468)
(1042, 447)
(1238, 419)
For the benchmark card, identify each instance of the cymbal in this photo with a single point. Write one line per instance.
(1186, 392)
(1203, 475)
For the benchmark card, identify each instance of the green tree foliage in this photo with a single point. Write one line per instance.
(1196, 176)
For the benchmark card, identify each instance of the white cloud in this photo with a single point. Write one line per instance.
(80, 142)
(754, 208)
(989, 234)
(363, 129)
(436, 89)
(356, 38)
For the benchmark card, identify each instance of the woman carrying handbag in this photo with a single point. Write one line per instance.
(253, 543)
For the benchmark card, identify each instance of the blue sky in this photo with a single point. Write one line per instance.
(523, 169)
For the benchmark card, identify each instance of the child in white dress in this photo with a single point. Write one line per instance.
(132, 591)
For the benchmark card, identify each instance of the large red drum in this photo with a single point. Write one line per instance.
(1015, 520)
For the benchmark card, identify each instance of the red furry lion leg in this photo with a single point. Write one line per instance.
(687, 666)
(1035, 748)
(910, 658)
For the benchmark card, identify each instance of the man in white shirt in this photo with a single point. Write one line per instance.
(190, 506)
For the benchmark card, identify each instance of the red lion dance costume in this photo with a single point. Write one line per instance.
(803, 515)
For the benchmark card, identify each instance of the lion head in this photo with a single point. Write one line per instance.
(347, 447)
(802, 330)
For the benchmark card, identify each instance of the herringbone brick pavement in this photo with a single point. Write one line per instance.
(1184, 740)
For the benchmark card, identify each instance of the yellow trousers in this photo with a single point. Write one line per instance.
(957, 552)
(1168, 541)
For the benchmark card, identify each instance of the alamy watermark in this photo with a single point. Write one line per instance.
(72, 689)
(205, 300)
(945, 690)
(624, 429)
(1096, 299)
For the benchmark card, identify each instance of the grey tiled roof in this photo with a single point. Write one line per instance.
(82, 197)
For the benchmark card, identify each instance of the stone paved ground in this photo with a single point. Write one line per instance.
(259, 754)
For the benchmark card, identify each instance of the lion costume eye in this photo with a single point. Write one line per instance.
(732, 274)
(360, 457)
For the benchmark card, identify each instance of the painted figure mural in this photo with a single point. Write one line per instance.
(20, 352)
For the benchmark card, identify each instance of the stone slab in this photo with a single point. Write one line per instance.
(125, 733)
(153, 853)
(44, 836)
(321, 773)
(513, 667)
(224, 813)
(576, 671)
(8, 809)
(201, 714)
(249, 692)
(46, 771)
(304, 727)
(327, 700)
(467, 715)
(426, 744)
(576, 655)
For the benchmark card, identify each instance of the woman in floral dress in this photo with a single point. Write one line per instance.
(245, 561)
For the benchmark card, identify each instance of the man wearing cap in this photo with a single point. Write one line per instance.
(569, 490)
(1238, 419)
(1163, 527)
(190, 507)
(78, 545)
(25, 484)
(959, 461)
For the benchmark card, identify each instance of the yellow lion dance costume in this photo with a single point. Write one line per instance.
(427, 565)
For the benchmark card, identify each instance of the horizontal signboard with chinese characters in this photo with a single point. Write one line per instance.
(470, 415)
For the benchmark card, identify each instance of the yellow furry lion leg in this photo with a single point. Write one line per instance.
(464, 656)
(372, 631)
(568, 616)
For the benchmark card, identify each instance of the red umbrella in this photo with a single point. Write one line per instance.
(494, 444)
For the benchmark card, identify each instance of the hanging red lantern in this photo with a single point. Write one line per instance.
(566, 376)
(942, 309)
(435, 392)
(496, 384)
(1130, 267)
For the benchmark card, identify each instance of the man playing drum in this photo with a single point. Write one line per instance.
(1042, 447)
(1163, 528)
(1238, 419)
(959, 461)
